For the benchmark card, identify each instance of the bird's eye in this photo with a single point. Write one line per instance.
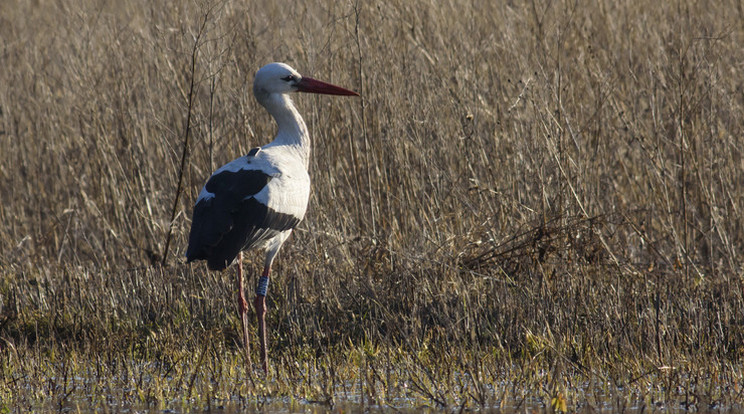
(288, 78)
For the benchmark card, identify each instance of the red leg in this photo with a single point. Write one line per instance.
(260, 304)
(243, 310)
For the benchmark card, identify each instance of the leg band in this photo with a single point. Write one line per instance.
(263, 286)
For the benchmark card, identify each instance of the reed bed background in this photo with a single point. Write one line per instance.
(531, 201)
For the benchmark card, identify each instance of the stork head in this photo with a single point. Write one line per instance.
(281, 78)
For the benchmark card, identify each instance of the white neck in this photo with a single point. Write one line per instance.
(292, 130)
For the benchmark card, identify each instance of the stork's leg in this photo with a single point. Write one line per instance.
(260, 305)
(243, 309)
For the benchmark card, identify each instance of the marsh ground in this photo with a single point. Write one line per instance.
(531, 201)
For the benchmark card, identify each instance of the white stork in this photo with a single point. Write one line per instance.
(256, 200)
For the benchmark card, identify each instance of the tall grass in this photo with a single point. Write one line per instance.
(532, 184)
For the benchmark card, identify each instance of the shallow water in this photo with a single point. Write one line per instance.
(130, 386)
(352, 404)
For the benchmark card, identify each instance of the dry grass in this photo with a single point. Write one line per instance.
(530, 198)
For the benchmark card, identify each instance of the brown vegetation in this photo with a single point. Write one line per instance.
(528, 193)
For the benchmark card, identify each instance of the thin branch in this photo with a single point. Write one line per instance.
(367, 152)
(186, 134)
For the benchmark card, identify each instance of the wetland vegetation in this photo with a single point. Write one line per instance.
(535, 206)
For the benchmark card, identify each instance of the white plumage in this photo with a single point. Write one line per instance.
(256, 200)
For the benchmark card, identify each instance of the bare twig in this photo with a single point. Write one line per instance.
(186, 132)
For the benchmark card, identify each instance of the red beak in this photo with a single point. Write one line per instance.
(315, 86)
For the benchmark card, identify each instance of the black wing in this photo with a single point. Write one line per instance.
(232, 220)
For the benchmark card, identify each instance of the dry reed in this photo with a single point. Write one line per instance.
(527, 193)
